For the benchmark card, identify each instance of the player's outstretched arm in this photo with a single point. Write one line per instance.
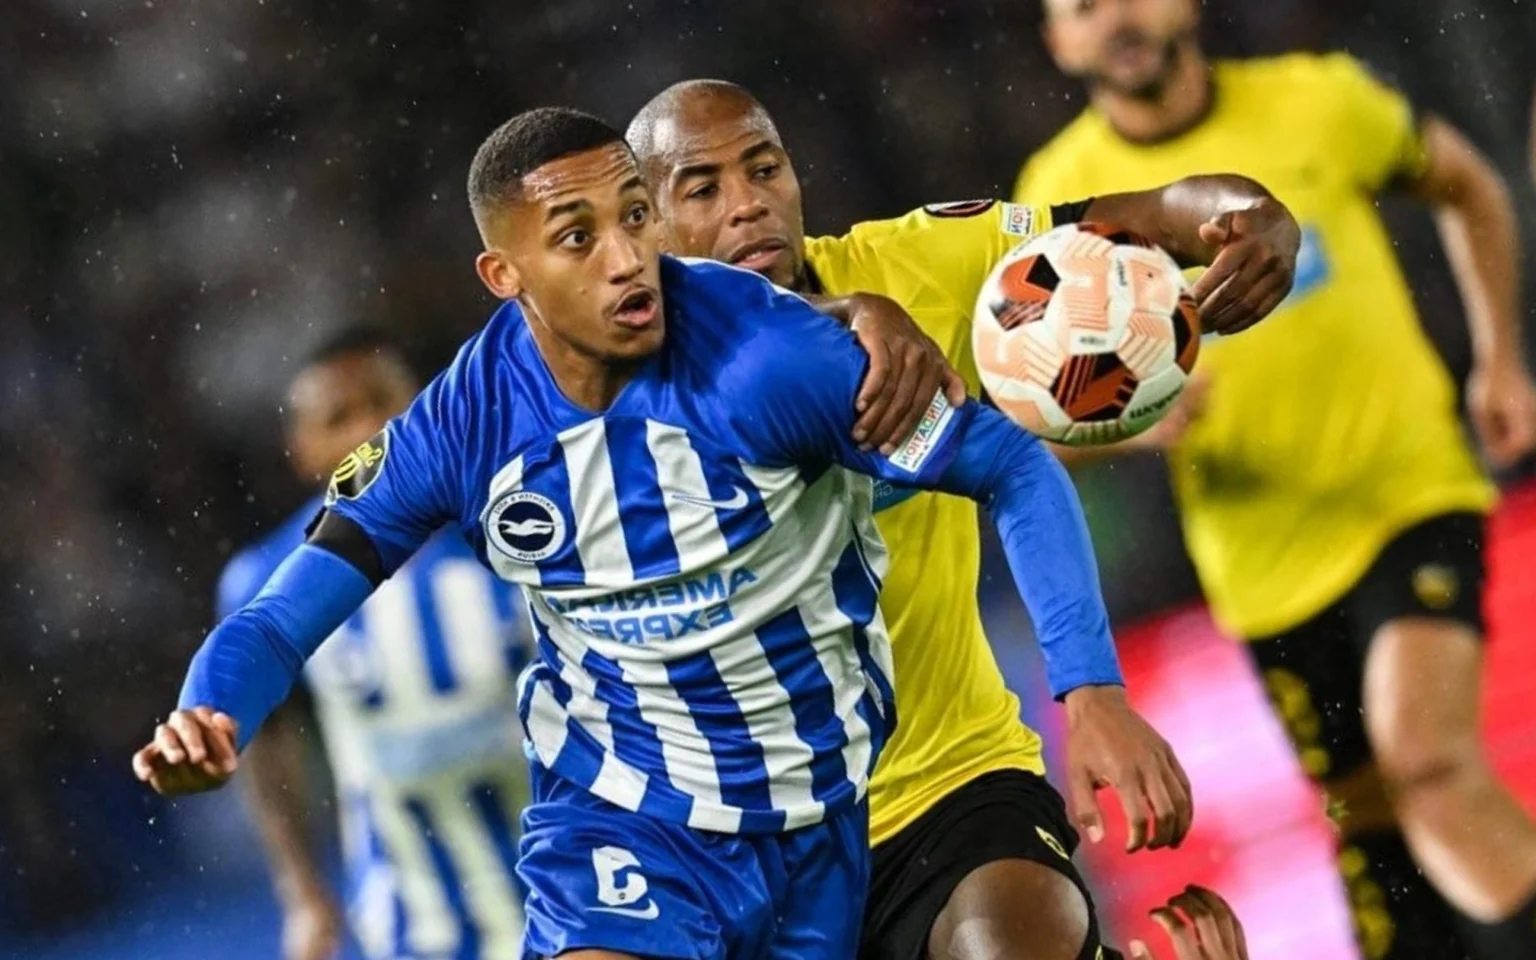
(246, 667)
(385, 499)
(1230, 224)
(1045, 536)
(1475, 216)
(278, 791)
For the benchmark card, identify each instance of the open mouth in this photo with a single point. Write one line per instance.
(759, 255)
(636, 309)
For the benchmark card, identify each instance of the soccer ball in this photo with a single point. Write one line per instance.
(1086, 334)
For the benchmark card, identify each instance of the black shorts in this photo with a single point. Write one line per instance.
(1006, 815)
(1315, 673)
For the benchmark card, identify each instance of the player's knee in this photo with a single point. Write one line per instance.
(1014, 909)
(1412, 757)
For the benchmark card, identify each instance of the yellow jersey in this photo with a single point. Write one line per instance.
(957, 719)
(1332, 426)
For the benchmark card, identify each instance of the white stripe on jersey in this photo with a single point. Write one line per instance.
(763, 702)
(466, 608)
(689, 763)
(617, 781)
(601, 546)
(695, 526)
(838, 658)
(372, 909)
(544, 719)
(685, 752)
(877, 564)
(833, 641)
(394, 629)
(508, 477)
(490, 897)
(780, 488)
(430, 925)
(584, 706)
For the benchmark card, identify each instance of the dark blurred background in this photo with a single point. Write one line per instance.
(193, 193)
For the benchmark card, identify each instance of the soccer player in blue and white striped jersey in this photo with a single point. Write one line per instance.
(416, 700)
(660, 452)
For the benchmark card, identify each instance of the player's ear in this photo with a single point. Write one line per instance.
(498, 274)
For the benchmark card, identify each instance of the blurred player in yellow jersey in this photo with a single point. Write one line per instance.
(971, 845)
(1331, 504)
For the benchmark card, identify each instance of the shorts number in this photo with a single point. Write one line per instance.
(619, 883)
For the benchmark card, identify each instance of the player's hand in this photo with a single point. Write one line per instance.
(193, 751)
(1110, 745)
(1501, 401)
(1253, 269)
(1201, 925)
(906, 369)
(1185, 412)
(312, 928)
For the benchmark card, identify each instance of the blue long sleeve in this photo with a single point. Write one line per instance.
(801, 411)
(1040, 520)
(249, 663)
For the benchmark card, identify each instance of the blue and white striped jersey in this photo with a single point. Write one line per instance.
(416, 700)
(701, 563)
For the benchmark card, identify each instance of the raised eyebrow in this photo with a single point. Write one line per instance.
(696, 170)
(570, 206)
(633, 183)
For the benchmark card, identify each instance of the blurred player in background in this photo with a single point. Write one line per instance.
(416, 701)
(1330, 501)
(971, 844)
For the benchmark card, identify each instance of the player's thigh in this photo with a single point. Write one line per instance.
(1418, 613)
(1313, 678)
(1422, 680)
(615, 883)
(993, 853)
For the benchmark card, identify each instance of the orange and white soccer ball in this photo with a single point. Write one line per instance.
(1085, 334)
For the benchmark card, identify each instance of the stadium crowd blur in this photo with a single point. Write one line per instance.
(195, 193)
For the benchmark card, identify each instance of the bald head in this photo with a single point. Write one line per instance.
(722, 183)
(679, 116)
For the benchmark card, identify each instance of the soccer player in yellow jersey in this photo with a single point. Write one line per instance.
(1331, 504)
(971, 845)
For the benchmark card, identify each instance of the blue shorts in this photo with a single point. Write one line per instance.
(600, 877)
